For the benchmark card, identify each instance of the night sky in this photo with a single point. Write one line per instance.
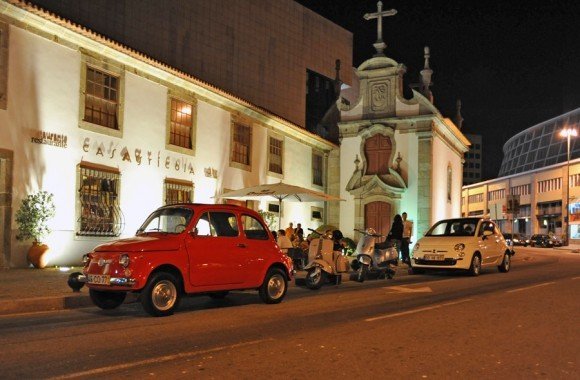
(512, 63)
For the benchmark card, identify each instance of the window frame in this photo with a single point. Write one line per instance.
(116, 219)
(192, 101)
(316, 153)
(270, 155)
(180, 185)
(233, 163)
(110, 68)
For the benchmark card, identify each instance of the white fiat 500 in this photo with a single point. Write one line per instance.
(464, 243)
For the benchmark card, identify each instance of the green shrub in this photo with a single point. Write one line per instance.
(32, 216)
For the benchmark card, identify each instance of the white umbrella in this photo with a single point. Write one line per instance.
(280, 192)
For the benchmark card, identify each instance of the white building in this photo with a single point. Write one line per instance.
(114, 134)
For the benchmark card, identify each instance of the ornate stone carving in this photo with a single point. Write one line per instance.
(379, 97)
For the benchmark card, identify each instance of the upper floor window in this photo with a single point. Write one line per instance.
(317, 169)
(276, 151)
(177, 191)
(549, 185)
(98, 195)
(181, 123)
(475, 198)
(494, 195)
(101, 98)
(241, 144)
(378, 152)
(521, 189)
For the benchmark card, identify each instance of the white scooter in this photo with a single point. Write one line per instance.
(324, 262)
(373, 259)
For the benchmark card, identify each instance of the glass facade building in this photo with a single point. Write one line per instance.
(540, 146)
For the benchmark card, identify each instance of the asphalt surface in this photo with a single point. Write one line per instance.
(515, 325)
(37, 290)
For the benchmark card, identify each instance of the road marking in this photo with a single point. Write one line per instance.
(405, 289)
(161, 359)
(529, 287)
(417, 310)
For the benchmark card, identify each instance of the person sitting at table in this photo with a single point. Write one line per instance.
(283, 242)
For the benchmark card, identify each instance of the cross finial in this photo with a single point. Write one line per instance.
(380, 44)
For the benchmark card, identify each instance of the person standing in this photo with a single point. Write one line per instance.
(407, 233)
(290, 231)
(395, 235)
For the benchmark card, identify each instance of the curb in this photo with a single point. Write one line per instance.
(32, 305)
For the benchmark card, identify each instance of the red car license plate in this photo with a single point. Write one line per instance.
(98, 279)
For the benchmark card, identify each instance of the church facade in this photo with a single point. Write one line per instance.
(397, 155)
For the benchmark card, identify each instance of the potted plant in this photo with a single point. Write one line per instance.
(32, 218)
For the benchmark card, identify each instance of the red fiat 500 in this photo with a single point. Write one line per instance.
(189, 249)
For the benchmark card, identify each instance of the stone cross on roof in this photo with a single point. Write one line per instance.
(380, 45)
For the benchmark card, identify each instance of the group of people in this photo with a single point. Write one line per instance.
(400, 236)
(291, 237)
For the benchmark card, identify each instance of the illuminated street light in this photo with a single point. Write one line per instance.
(568, 132)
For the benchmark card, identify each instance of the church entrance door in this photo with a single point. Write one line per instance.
(378, 216)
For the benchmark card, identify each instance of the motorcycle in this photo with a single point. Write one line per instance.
(325, 261)
(374, 258)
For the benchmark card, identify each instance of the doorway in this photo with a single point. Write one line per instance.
(378, 216)
(5, 206)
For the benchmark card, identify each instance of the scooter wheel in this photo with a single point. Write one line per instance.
(361, 274)
(315, 277)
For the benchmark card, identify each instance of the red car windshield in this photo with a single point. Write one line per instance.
(171, 220)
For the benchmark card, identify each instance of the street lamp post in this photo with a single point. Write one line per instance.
(568, 132)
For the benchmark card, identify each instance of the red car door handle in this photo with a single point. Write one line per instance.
(241, 245)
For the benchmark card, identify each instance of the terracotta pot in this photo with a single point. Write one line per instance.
(37, 255)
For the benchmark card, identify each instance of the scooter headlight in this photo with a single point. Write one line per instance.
(416, 247)
(459, 247)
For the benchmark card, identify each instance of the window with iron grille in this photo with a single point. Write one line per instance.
(275, 165)
(100, 214)
(241, 144)
(317, 169)
(177, 191)
(101, 98)
(181, 123)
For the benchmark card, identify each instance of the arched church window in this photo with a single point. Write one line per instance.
(449, 181)
(378, 154)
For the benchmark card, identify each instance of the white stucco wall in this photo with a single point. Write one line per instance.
(443, 156)
(44, 95)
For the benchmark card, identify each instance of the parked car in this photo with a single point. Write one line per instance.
(541, 240)
(516, 239)
(468, 244)
(187, 249)
(557, 241)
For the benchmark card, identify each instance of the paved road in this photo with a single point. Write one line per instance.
(517, 325)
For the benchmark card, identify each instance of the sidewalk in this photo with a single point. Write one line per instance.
(35, 290)
(574, 248)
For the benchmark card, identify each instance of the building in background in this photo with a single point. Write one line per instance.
(472, 167)
(116, 127)
(533, 174)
